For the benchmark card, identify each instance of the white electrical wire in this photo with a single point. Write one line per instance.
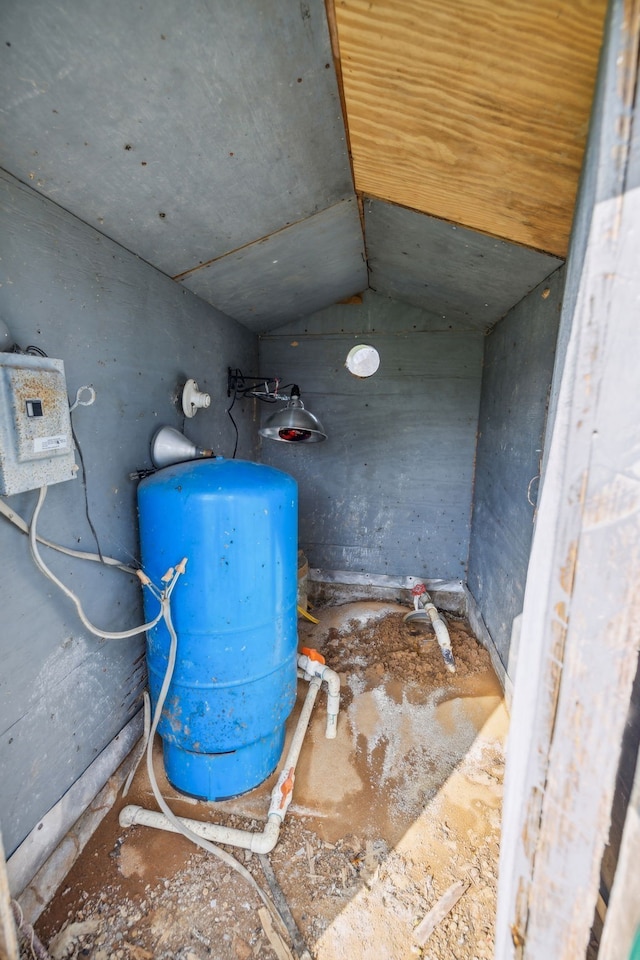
(23, 526)
(41, 565)
(142, 748)
(83, 403)
(165, 612)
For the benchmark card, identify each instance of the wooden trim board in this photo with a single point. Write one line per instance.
(581, 619)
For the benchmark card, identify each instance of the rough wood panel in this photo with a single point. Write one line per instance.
(389, 491)
(581, 622)
(472, 110)
(470, 279)
(8, 938)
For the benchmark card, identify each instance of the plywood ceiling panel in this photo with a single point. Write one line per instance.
(474, 111)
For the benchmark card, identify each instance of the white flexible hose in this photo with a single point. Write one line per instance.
(257, 842)
(23, 526)
(41, 565)
(142, 749)
(166, 809)
(164, 612)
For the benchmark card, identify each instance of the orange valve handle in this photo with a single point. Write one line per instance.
(312, 654)
(287, 787)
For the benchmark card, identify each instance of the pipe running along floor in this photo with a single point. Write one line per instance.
(399, 813)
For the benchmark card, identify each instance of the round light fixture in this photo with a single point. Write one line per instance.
(362, 360)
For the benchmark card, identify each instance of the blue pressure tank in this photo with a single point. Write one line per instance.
(235, 615)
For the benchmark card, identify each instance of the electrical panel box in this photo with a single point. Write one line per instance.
(36, 446)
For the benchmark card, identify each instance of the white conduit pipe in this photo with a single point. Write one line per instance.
(423, 604)
(280, 799)
(23, 526)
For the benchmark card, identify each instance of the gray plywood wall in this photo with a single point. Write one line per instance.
(134, 335)
(389, 491)
(518, 367)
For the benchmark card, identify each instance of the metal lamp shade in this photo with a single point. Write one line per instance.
(170, 446)
(293, 424)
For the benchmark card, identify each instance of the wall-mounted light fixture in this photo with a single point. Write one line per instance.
(193, 399)
(293, 424)
(362, 360)
(290, 424)
(170, 446)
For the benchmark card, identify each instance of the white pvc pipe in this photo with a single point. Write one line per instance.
(256, 842)
(442, 636)
(281, 794)
(308, 668)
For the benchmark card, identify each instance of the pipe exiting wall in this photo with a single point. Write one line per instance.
(426, 611)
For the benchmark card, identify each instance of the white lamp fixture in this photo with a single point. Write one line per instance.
(193, 399)
(362, 360)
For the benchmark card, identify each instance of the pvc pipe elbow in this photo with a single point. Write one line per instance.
(332, 680)
(213, 832)
(265, 842)
(127, 816)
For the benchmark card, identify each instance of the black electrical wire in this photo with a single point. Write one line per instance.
(84, 486)
(235, 425)
(249, 387)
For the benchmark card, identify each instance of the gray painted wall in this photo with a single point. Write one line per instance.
(518, 365)
(389, 491)
(182, 133)
(468, 277)
(133, 334)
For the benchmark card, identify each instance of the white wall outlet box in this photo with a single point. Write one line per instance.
(36, 446)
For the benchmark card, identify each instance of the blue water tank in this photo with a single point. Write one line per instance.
(235, 615)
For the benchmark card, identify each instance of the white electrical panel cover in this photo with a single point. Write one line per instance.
(36, 446)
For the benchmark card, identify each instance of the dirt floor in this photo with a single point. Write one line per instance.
(400, 810)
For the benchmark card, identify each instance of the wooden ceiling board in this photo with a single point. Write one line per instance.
(473, 111)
